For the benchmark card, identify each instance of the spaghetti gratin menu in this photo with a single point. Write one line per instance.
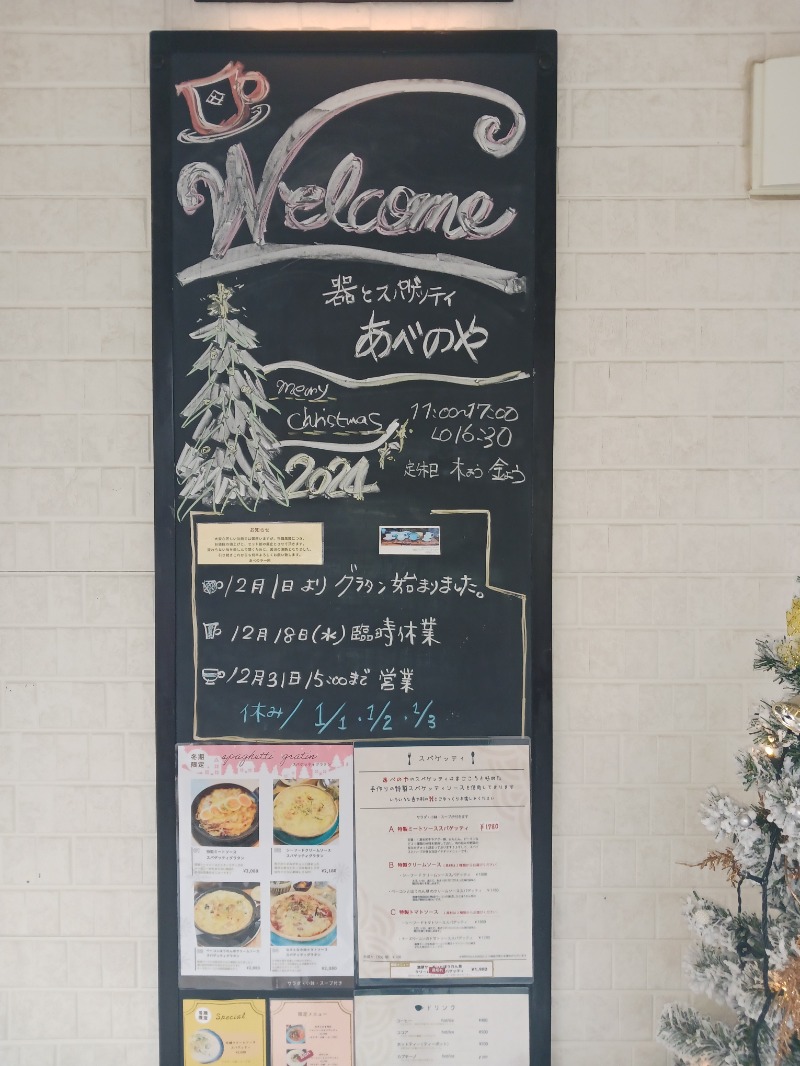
(266, 867)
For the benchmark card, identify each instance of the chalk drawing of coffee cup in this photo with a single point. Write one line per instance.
(210, 586)
(211, 675)
(221, 105)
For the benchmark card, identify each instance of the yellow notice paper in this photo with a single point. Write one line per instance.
(260, 543)
(318, 1031)
(224, 1031)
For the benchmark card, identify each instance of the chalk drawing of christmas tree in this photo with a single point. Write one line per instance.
(230, 457)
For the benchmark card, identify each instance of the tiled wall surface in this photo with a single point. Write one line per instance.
(677, 492)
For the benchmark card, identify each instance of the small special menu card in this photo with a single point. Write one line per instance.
(443, 860)
(230, 1032)
(266, 865)
(316, 1031)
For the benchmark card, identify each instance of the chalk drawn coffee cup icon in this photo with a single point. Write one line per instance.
(211, 674)
(212, 586)
(221, 105)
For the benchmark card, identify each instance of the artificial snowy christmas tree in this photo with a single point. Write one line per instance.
(749, 960)
(230, 459)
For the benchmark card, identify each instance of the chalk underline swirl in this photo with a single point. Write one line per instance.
(328, 446)
(392, 379)
(252, 255)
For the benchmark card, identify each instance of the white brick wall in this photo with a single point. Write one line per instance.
(677, 492)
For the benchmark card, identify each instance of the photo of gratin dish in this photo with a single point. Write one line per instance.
(302, 918)
(206, 1046)
(298, 1056)
(225, 916)
(304, 813)
(225, 815)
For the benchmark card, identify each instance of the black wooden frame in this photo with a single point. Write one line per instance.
(343, 1)
(541, 46)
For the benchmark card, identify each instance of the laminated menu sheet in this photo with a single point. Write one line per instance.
(266, 864)
(442, 1028)
(229, 1032)
(443, 860)
(316, 1031)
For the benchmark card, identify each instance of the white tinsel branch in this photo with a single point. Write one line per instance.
(714, 925)
(698, 1040)
(725, 978)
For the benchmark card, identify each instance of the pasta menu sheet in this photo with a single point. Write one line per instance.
(443, 860)
(266, 865)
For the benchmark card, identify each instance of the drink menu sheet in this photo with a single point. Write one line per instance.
(439, 1029)
(443, 861)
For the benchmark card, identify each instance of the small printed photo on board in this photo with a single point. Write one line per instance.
(302, 914)
(224, 814)
(206, 1046)
(227, 915)
(297, 1056)
(295, 1034)
(305, 812)
(409, 540)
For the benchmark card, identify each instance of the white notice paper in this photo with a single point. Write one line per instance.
(441, 1029)
(443, 860)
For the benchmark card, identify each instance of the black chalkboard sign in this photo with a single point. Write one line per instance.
(353, 294)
